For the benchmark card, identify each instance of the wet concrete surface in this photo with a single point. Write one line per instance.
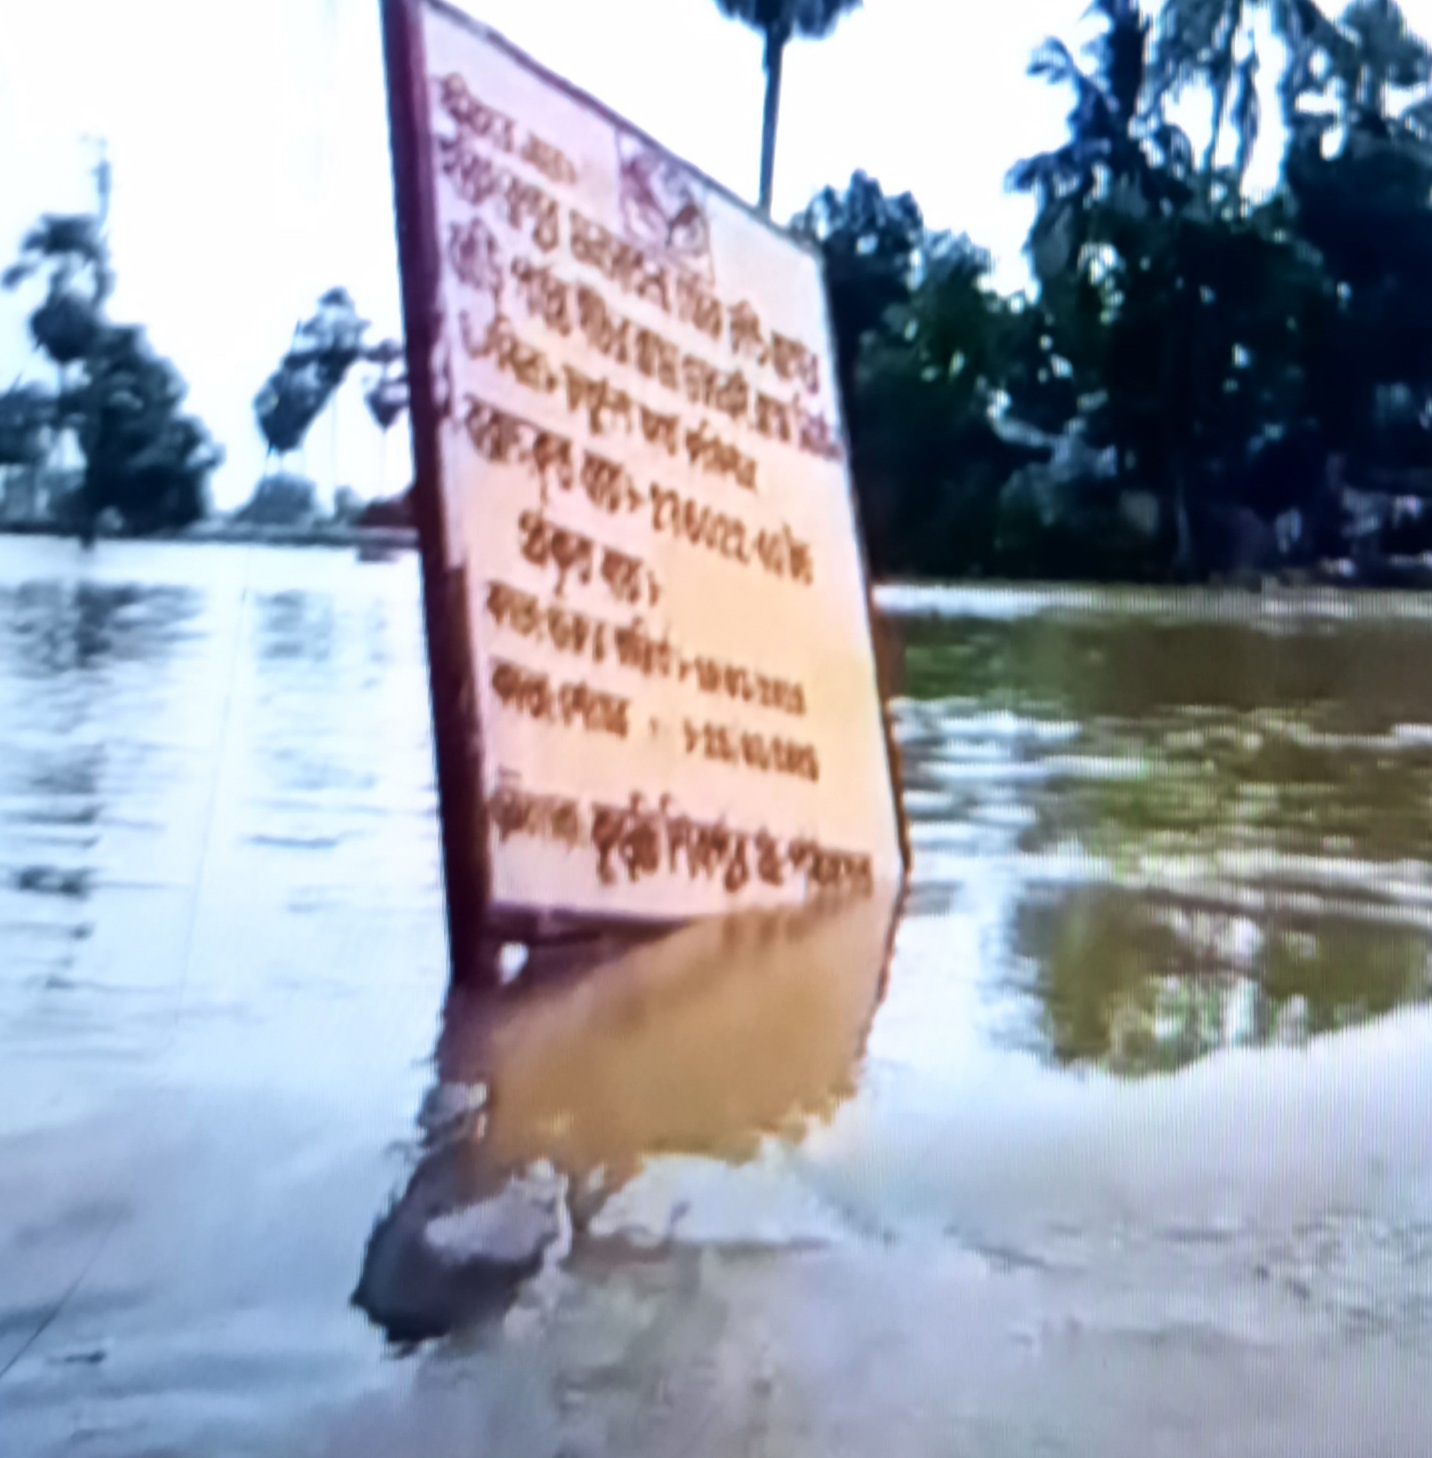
(1125, 1148)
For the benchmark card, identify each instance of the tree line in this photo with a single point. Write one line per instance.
(144, 459)
(144, 462)
(1198, 378)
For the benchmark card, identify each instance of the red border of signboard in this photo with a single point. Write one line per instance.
(457, 733)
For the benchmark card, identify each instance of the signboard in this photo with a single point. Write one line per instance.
(654, 682)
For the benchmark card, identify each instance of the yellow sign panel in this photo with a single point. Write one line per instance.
(627, 421)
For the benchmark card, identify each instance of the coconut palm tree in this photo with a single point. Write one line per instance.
(1121, 152)
(70, 252)
(1383, 56)
(778, 21)
(1199, 41)
(324, 348)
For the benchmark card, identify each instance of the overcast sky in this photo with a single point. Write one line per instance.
(249, 148)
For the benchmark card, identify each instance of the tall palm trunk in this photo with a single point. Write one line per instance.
(775, 51)
(1222, 81)
(1220, 106)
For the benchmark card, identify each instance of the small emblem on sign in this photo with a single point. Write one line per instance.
(660, 206)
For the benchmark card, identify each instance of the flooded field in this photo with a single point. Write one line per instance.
(1125, 1148)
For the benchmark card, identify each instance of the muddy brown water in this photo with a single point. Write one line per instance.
(1126, 1148)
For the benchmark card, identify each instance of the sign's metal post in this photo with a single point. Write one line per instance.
(456, 732)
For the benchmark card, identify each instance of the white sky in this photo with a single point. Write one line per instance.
(251, 171)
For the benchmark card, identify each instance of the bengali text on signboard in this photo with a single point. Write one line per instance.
(642, 481)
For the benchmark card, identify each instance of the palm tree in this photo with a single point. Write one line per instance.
(874, 251)
(1198, 42)
(71, 253)
(324, 348)
(1122, 154)
(1384, 55)
(778, 21)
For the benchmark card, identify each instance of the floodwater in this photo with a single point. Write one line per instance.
(1124, 1148)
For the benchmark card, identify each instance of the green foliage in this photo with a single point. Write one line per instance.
(874, 248)
(325, 348)
(928, 458)
(143, 458)
(1231, 360)
(387, 393)
(920, 339)
(66, 327)
(282, 499)
(70, 252)
(28, 413)
(288, 403)
(1214, 323)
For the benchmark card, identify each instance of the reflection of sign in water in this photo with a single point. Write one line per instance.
(654, 686)
(661, 207)
(702, 1042)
